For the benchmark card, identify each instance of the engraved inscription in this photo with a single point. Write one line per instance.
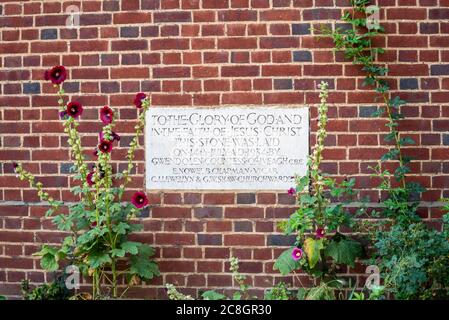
(226, 148)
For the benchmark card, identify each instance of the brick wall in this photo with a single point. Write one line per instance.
(207, 53)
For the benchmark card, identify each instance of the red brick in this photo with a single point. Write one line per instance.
(237, 43)
(170, 212)
(219, 198)
(247, 240)
(239, 71)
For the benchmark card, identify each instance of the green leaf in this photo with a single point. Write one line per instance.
(302, 293)
(344, 251)
(396, 102)
(406, 141)
(307, 199)
(118, 253)
(63, 222)
(131, 247)
(390, 155)
(322, 292)
(285, 263)
(146, 250)
(144, 267)
(121, 228)
(212, 295)
(49, 262)
(312, 248)
(97, 260)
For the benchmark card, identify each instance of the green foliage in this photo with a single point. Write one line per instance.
(321, 292)
(241, 294)
(55, 290)
(414, 261)
(321, 213)
(279, 292)
(312, 248)
(375, 293)
(343, 250)
(410, 255)
(100, 223)
(2, 298)
(49, 258)
(285, 264)
(324, 291)
(212, 295)
(357, 44)
(174, 294)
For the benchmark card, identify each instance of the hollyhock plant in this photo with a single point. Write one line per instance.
(114, 136)
(56, 75)
(74, 109)
(291, 191)
(89, 179)
(139, 199)
(317, 216)
(101, 210)
(320, 233)
(105, 146)
(138, 100)
(106, 115)
(297, 254)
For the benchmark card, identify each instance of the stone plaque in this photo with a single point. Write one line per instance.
(225, 149)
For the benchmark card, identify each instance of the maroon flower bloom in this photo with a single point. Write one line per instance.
(89, 180)
(106, 115)
(320, 233)
(138, 99)
(74, 109)
(93, 224)
(95, 152)
(291, 191)
(139, 199)
(115, 136)
(56, 75)
(105, 146)
(297, 254)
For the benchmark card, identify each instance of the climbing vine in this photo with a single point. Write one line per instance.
(357, 44)
(411, 257)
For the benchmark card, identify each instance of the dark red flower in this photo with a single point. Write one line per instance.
(93, 224)
(95, 152)
(291, 191)
(139, 199)
(115, 136)
(74, 109)
(320, 232)
(106, 115)
(56, 75)
(89, 180)
(138, 99)
(105, 146)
